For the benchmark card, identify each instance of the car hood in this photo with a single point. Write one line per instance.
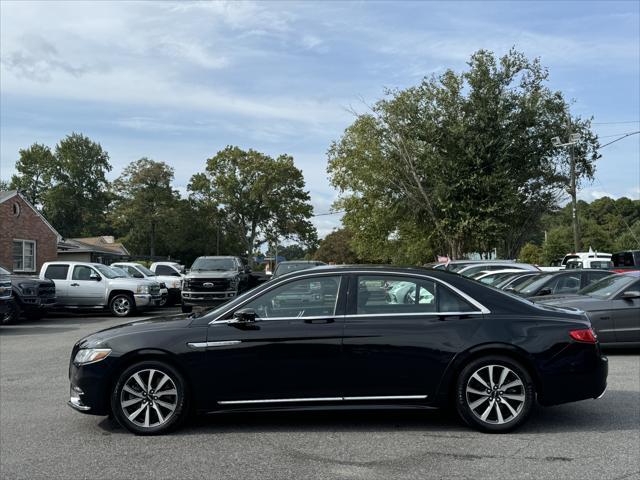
(212, 274)
(139, 326)
(30, 279)
(127, 281)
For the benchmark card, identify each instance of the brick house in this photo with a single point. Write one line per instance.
(27, 240)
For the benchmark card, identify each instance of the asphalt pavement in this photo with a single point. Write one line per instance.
(41, 437)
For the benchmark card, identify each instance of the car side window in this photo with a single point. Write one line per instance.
(56, 272)
(595, 276)
(566, 284)
(80, 272)
(307, 297)
(166, 270)
(449, 301)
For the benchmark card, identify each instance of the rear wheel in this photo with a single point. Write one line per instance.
(122, 305)
(494, 394)
(149, 398)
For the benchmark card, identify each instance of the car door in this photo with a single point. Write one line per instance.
(86, 287)
(60, 274)
(397, 341)
(291, 350)
(625, 313)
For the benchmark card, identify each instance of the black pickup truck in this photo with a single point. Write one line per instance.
(31, 297)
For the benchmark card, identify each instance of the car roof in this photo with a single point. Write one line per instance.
(314, 262)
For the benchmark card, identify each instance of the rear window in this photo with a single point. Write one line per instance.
(56, 272)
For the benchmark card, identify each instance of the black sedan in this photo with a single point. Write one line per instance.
(613, 306)
(340, 338)
(559, 283)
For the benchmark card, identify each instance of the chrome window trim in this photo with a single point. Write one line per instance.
(411, 314)
(268, 319)
(224, 343)
(322, 399)
(481, 308)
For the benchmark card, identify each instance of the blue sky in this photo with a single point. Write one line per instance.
(179, 81)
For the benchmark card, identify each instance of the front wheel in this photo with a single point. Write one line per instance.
(12, 315)
(149, 398)
(494, 394)
(122, 305)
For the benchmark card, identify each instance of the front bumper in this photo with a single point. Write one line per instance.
(89, 386)
(38, 303)
(207, 298)
(147, 300)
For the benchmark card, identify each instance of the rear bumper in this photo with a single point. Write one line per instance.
(584, 377)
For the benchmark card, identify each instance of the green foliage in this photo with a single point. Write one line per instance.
(559, 242)
(337, 248)
(144, 202)
(263, 198)
(531, 253)
(464, 162)
(35, 167)
(77, 202)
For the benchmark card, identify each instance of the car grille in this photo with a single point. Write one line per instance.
(154, 290)
(212, 285)
(47, 291)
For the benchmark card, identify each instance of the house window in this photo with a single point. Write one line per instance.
(24, 256)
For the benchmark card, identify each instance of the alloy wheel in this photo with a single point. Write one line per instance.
(122, 305)
(495, 394)
(149, 398)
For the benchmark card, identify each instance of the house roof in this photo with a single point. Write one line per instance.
(105, 242)
(8, 194)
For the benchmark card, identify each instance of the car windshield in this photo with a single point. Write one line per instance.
(107, 271)
(145, 270)
(454, 267)
(608, 286)
(212, 264)
(283, 268)
(120, 271)
(532, 285)
(4, 272)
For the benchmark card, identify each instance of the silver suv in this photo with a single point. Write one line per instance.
(95, 286)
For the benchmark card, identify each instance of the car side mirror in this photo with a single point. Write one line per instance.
(95, 277)
(510, 289)
(245, 315)
(545, 291)
(630, 294)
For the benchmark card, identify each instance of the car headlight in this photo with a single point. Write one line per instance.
(176, 284)
(91, 355)
(143, 289)
(28, 289)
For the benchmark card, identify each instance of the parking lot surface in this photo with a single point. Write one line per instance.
(41, 437)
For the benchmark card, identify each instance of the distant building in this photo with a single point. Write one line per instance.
(102, 249)
(27, 240)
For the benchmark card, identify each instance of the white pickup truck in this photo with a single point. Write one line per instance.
(85, 285)
(172, 282)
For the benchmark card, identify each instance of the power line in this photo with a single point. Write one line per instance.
(328, 213)
(615, 123)
(615, 134)
(618, 139)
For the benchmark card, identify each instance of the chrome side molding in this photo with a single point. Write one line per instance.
(322, 399)
(225, 343)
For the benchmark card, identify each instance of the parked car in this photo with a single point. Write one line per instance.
(612, 305)
(170, 286)
(132, 273)
(31, 297)
(493, 277)
(626, 261)
(456, 265)
(469, 270)
(511, 282)
(6, 296)
(295, 266)
(212, 280)
(559, 283)
(171, 269)
(83, 285)
(469, 347)
(588, 259)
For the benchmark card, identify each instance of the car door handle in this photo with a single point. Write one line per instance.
(605, 318)
(75, 285)
(319, 320)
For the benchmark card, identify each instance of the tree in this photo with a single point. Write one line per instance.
(559, 242)
(531, 253)
(336, 248)
(144, 203)
(261, 197)
(77, 202)
(35, 167)
(466, 159)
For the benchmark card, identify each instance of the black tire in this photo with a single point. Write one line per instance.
(122, 305)
(151, 411)
(164, 302)
(504, 409)
(12, 314)
(187, 308)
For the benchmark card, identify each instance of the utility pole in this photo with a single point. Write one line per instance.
(572, 189)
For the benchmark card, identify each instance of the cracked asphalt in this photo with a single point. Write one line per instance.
(40, 437)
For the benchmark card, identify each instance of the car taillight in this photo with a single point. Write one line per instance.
(586, 335)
